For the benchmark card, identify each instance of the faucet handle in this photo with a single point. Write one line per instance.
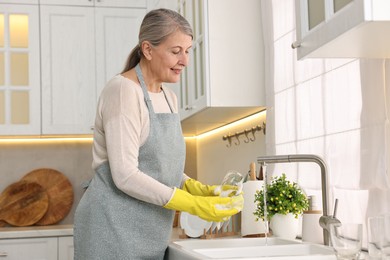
(325, 221)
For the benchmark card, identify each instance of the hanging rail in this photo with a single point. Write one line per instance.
(246, 132)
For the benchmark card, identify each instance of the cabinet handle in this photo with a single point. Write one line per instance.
(3, 254)
(295, 45)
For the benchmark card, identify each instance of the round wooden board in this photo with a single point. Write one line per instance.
(60, 192)
(23, 203)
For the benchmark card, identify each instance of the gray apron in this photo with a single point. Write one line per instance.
(108, 223)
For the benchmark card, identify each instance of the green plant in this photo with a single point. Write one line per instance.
(283, 197)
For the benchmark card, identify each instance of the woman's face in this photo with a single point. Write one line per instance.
(170, 57)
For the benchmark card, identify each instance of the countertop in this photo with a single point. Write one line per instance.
(36, 231)
(52, 231)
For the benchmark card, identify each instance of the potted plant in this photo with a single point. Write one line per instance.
(285, 202)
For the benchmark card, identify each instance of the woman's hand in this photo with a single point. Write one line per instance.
(210, 208)
(195, 187)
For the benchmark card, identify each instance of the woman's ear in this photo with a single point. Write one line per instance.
(146, 49)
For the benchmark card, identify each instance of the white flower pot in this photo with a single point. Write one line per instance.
(284, 226)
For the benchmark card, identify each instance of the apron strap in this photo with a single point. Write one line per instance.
(145, 91)
(148, 101)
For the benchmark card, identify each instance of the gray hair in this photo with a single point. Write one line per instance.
(156, 26)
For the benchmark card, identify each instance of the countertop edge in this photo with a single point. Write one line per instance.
(36, 231)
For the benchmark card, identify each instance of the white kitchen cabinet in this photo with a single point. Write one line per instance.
(65, 248)
(68, 69)
(82, 47)
(342, 28)
(19, 69)
(101, 3)
(44, 248)
(225, 78)
(20, 2)
(116, 35)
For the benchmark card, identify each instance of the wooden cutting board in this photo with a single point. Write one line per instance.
(59, 190)
(23, 203)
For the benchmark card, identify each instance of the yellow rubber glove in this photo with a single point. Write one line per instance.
(212, 208)
(195, 187)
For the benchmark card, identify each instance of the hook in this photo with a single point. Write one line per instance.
(246, 135)
(238, 140)
(253, 133)
(229, 138)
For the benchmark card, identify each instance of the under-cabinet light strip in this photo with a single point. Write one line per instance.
(45, 140)
(87, 139)
(226, 127)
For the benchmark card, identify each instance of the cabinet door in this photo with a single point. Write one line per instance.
(101, 3)
(68, 69)
(67, 2)
(65, 248)
(122, 3)
(342, 29)
(29, 249)
(19, 70)
(193, 95)
(116, 35)
(198, 85)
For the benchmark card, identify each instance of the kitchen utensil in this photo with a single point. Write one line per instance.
(59, 190)
(23, 203)
(261, 174)
(252, 171)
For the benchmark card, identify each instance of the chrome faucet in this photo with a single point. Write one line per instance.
(325, 219)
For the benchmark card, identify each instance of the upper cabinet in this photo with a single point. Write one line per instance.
(68, 69)
(225, 78)
(56, 57)
(342, 28)
(98, 3)
(82, 48)
(19, 70)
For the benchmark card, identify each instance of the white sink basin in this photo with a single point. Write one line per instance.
(247, 248)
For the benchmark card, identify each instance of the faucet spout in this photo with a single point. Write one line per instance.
(273, 159)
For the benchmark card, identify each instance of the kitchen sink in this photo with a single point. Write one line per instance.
(247, 248)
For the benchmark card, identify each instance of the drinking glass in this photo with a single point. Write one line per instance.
(346, 240)
(232, 178)
(375, 234)
(386, 238)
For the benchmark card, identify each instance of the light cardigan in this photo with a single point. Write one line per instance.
(121, 128)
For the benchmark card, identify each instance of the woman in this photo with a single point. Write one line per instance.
(139, 152)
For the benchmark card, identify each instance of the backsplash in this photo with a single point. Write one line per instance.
(73, 159)
(208, 158)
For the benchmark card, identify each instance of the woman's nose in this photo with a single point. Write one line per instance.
(184, 59)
